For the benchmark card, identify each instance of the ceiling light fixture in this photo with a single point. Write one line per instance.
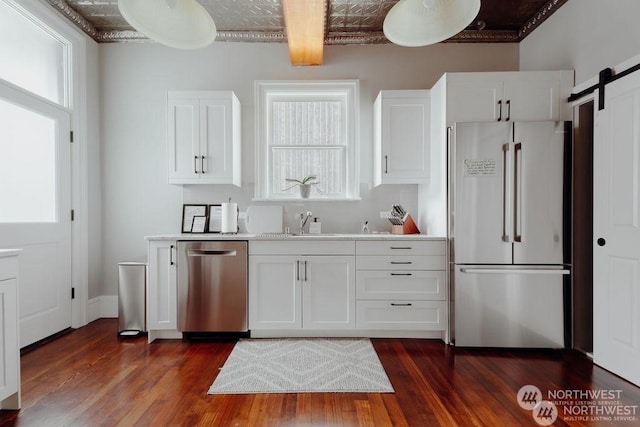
(305, 30)
(414, 23)
(183, 24)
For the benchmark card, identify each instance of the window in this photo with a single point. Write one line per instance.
(307, 128)
(32, 57)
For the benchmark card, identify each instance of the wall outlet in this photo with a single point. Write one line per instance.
(242, 215)
(385, 214)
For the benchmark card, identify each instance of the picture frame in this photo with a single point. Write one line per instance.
(215, 218)
(188, 212)
(199, 224)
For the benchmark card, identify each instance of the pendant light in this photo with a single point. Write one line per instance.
(414, 23)
(183, 24)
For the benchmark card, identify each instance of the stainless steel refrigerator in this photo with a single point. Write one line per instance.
(509, 229)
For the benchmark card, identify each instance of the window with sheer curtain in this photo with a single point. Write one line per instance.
(307, 129)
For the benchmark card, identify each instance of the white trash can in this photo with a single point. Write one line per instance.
(132, 283)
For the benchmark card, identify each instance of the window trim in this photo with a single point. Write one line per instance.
(266, 90)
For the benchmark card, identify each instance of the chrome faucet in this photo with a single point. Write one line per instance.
(303, 220)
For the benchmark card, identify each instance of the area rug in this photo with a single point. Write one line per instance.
(296, 365)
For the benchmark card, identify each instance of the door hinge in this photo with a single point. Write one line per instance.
(71, 136)
(73, 293)
(73, 215)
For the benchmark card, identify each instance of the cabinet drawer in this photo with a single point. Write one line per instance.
(408, 262)
(401, 247)
(402, 315)
(405, 285)
(308, 247)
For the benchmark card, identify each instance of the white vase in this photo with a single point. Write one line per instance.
(305, 190)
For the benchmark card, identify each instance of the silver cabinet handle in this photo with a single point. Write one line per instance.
(401, 274)
(195, 164)
(305, 272)
(508, 110)
(386, 164)
(500, 110)
(401, 247)
(401, 262)
(202, 165)
(171, 255)
(406, 304)
(298, 270)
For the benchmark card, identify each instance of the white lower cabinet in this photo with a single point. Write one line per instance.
(289, 291)
(162, 291)
(9, 351)
(401, 285)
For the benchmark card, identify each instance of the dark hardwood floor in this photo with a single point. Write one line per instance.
(90, 378)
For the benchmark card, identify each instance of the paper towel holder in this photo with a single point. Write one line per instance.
(226, 222)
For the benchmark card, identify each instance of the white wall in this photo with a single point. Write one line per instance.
(584, 35)
(136, 201)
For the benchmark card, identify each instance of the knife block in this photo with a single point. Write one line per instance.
(408, 227)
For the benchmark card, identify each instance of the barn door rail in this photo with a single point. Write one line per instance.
(605, 77)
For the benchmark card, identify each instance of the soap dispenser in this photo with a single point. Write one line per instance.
(315, 227)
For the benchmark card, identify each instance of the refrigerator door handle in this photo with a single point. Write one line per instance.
(506, 193)
(515, 271)
(517, 193)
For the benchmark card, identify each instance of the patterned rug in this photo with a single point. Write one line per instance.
(296, 365)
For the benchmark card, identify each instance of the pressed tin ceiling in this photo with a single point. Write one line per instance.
(347, 21)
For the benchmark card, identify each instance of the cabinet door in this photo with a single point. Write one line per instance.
(405, 139)
(532, 98)
(183, 139)
(475, 98)
(328, 284)
(162, 302)
(9, 356)
(274, 292)
(216, 141)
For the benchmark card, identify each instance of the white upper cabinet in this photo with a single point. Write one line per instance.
(508, 96)
(402, 134)
(203, 137)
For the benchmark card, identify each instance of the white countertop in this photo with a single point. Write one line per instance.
(9, 252)
(290, 237)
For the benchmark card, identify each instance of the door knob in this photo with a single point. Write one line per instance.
(601, 242)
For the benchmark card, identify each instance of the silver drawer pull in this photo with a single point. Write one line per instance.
(402, 247)
(406, 304)
(402, 274)
(401, 262)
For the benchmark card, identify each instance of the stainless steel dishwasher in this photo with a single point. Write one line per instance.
(212, 286)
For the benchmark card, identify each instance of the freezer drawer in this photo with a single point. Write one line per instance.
(509, 307)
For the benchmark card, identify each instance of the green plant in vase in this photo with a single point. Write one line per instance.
(304, 185)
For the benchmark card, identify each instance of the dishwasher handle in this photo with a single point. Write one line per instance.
(198, 252)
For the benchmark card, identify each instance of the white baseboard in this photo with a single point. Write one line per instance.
(101, 307)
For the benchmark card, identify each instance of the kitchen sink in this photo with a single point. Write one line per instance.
(293, 235)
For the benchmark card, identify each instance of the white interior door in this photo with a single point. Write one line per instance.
(35, 208)
(616, 267)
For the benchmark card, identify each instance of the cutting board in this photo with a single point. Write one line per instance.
(263, 219)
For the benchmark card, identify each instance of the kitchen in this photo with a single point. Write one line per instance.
(130, 198)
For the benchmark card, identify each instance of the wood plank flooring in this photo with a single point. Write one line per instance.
(91, 378)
